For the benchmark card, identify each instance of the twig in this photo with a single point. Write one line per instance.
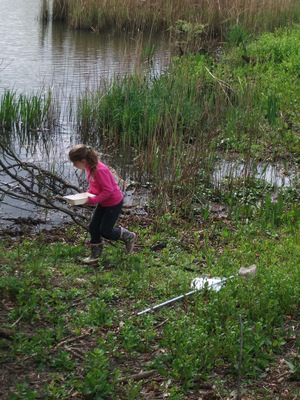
(239, 380)
(139, 376)
(79, 300)
(75, 353)
(221, 83)
(17, 321)
(162, 323)
(9, 334)
(70, 340)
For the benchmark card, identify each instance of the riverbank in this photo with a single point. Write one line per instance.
(173, 128)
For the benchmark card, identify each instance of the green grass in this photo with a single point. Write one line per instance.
(84, 332)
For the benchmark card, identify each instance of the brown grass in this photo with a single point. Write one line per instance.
(150, 15)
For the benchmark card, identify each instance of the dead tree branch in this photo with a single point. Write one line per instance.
(36, 186)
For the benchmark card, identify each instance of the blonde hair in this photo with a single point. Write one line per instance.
(82, 152)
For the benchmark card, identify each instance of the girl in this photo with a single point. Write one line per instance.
(108, 200)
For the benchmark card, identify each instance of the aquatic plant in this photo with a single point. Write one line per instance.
(8, 111)
(19, 112)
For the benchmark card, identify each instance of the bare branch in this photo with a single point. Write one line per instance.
(36, 186)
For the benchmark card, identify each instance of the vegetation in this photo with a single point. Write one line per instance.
(172, 128)
(132, 15)
(76, 333)
(244, 104)
(246, 100)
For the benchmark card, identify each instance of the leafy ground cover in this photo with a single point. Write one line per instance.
(70, 331)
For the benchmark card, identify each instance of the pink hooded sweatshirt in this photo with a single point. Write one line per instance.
(103, 186)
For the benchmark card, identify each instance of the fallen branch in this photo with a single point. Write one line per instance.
(35, 185)
(7, 334)
(75, 353)
(70, 340)
(17, 321)
(10, 334)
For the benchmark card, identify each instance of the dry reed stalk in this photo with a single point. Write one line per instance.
(162, 14)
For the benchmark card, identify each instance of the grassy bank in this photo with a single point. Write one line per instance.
(73, 332)
(131, 15)
(246, 99)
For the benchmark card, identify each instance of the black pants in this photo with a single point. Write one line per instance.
(103, 221)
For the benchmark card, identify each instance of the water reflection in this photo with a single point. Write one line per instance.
(35, 55)
(275, 175)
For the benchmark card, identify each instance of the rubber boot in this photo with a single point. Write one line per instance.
(96, 251)
(128, 238)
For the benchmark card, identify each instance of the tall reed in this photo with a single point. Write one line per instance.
(8, 111)
(132, 15)
(165, 122)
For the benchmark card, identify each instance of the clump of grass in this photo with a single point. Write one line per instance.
(164, 120)
(8, 111)
(25, 112)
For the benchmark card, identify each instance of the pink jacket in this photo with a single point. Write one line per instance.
(103, 185)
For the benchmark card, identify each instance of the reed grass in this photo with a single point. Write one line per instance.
(25, 112)
(159, 119)
(249, 93)
(8, 110)
(132, 15)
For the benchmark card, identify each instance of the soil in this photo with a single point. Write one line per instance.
(277, 382)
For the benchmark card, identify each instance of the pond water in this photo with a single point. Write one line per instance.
(34, 55)
(277, 174)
